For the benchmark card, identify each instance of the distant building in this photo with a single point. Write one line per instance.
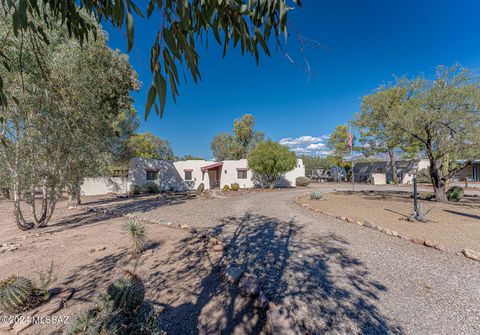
(381, 172)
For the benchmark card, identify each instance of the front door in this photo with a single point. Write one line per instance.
(214, 178)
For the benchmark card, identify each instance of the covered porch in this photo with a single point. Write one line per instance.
(213, 172)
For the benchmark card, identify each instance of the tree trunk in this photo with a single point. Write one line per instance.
(393, 164)
(74, 195)
(436, 174)
(19, 219)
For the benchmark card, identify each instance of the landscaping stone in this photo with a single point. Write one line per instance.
(218, 247)
(390, 232)
(280, 322)
(233, 274)
(249, 285)
(360, 223)
(369, 224)
(418, 241)
(446, 248)
(183, 226)
(351, 220)
(475, 255)
(429, 243)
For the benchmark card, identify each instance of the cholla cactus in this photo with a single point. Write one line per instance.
(15, 294)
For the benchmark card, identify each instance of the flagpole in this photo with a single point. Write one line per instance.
(353, 173)
(350, 143)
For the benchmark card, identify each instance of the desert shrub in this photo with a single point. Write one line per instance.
(121, 310)
(429, 196)
(302, 181)
(226, 188)
(200, 188)
(315, 195)
(423, 176)
(18, 294)
(235, 187)
(455, 193)
(151, 187)
(135, 189)
(137, 233)
(45, 281)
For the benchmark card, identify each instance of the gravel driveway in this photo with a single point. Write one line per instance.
(339, 278)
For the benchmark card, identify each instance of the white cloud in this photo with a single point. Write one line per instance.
(307, 145)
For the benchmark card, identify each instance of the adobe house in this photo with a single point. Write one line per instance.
(183, 175)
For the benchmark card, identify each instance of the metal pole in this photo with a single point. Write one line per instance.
(415, 202)
(353, 173)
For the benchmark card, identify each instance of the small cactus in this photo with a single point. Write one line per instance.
(16, 294)
(126, 293)
(235, 187)
(315, 195)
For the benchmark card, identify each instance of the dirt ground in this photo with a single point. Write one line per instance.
(180, 274)
(455, 224)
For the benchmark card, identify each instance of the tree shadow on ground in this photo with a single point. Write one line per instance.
(326, 289)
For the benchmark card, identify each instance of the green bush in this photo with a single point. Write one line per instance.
(235, 187)
(151, 187)
(226, 188)
(135, 189)
(200, 188)
(302, 181)
(315, 195)
(429, 196)
(455, 193)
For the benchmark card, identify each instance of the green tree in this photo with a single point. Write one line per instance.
(312, 162)
(237, 146)
(338, 145)
(59, 126)
(270, 161)
(442, 115)
(188, 158)
(377, 134)
(149, 146)
(183, 24)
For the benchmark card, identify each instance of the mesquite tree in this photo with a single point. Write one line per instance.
(378, 134)
(442, 115)
(67, 106)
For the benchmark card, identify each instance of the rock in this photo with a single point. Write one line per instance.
(390, 232)
(213, 241)
(429, 243)
(360, 223)
(351, 220)
(379, 228)
(218, 247)
(233, 273)
(369, 224)
(91, 250)
(404, 237)
(184, 226)
(280, 322)
(262, 299)
(343, 218)
(475, 255)
(249, 285)
(446, 248)
(418, 241)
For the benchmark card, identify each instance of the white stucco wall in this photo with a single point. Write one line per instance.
(197, 175)
(379, 179)
(229, 174)
(105, 185)
(168, 176)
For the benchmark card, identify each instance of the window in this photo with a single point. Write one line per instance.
(241, 174)
(152, 175)
(188, 175)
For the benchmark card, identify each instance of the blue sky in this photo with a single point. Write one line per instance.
(364, 43)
